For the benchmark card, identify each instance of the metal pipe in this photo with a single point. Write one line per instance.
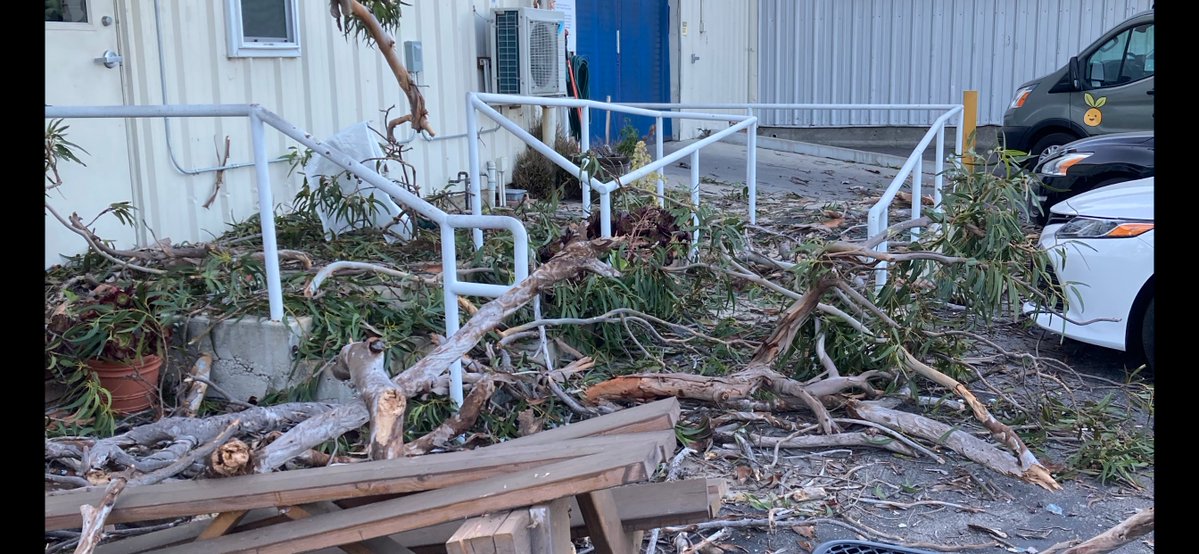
(605, 197)
(584, 148)
(768, 106)
(529, 139)
(520, 236)
(751, 168)
(917, 193)
(657, 156)
(413, 201)
(642, 171)
(694, 203)
(449, 281)
(568, 102)
(152, 110)
(472, 166)
(491, 186)
(908, 164)
(266, 209)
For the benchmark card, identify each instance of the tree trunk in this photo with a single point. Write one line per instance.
(385, 402)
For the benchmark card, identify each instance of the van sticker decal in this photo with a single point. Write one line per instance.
(1093, 117)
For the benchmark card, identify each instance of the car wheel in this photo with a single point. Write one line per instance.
(1147, 334)
(1052, 139)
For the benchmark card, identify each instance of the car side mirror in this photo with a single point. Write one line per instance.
(1074, 73)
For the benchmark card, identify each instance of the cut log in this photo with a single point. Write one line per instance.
(385, 402)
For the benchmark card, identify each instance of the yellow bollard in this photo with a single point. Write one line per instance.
(969, 125)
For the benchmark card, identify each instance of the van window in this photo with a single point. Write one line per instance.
(1127, 57)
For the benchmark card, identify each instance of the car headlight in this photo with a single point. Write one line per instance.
(1021, 96)
(1096, 228)
(1060, 165)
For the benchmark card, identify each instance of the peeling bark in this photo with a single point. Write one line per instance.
(364, 361)
(197, 388)
(961, 442)
(457, 424)
(94, 517)
(184, 434)
(1123, 533)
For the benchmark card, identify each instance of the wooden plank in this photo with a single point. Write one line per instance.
(221, 524)
(186, 532)
(642, 506)
(633, 462)
(603, 523)
(303, 486)
(476, 535)
(551, 531)
(653, 416)
(512, 536)
(369, 546)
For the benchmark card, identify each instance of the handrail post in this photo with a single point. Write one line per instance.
(472, 149)
(585, 147)
(605, 198)
(658, 156)
(917, 192)
(694, 203)
(266, 211)
(449, 282)
(751, 168)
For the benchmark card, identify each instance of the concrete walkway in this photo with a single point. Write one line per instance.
(722, 166)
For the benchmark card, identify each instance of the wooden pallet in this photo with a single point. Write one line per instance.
(524, 495)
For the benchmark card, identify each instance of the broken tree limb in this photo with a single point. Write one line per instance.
(202, 368)
(186, 461)
(230, 459)
(94, 517)
(1139, 524)
(959, 441)
(456, 424)
(197, 431)
(385, 402)
(722, 389)
(1031, 468)
(839, 439)
(418, 116)
(575, 258)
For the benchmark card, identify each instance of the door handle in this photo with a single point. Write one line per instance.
(110, 59)
(1149, 92)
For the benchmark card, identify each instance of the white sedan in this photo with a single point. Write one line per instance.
(1101, 246)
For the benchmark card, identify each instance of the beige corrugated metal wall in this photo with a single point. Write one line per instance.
(918, 51)
(720, 34)
(334, 83)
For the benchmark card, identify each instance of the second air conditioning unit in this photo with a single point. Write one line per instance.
(529, 49)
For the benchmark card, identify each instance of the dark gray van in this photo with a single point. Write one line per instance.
(1106, 88)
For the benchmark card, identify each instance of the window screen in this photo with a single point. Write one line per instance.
(265, 21)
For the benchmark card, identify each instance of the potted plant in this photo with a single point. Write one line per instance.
(112, 333)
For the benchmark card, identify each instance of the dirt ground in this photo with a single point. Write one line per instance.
(955, 506)
(981, 508)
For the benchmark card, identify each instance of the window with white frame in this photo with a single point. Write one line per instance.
(263, 28)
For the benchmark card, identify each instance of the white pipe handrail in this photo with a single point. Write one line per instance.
(479, 102)
(447, 222)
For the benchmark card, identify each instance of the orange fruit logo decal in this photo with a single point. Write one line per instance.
(1093, 117)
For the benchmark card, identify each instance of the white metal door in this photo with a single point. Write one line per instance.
(81, 36)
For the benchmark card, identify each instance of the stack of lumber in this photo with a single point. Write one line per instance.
(531, 494)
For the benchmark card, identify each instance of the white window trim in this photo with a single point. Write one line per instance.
(239, 48)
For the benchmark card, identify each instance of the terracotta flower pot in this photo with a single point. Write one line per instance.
(132, 384)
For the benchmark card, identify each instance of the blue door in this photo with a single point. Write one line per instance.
(626, 46)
